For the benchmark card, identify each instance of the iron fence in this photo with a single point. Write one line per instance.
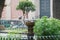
(19, 36)
(52, 37)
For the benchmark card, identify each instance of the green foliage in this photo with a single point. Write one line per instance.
(26, 6)
(47, 26)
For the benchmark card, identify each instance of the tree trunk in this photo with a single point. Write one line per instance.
(23, 17)
(1, 7)
(27, 15)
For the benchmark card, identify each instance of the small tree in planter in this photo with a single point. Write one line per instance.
(26, 6)
(47, 26)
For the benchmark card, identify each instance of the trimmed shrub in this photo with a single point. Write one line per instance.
(47, 26)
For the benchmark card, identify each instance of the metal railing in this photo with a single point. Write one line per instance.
(9, 38)
(52, 37)
(19, 36)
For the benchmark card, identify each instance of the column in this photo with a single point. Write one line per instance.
(8, 9)
(36, 13)
(51, 8)
(37, 6)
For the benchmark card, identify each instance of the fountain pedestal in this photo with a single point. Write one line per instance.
(30, 25)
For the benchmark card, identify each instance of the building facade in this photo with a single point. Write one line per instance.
(10, 12)
(48, 8)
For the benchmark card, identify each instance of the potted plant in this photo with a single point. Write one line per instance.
(27, 6)
(47, 26)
